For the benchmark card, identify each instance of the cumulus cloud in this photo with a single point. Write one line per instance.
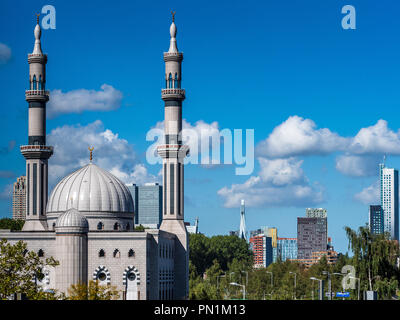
(299, 136)
(77, 101)
(5, 53)
(111, 152)
(369, 195)
(357, 166)
(280, 182)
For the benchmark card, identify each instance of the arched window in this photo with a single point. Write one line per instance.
(40, 83)
(54, 225)
(102, 253)
(41, 253)
(116, 226)
(128, 226)
(131, 253)
(34, 83)
(100, 226)
(116, 253)
(176, 85)
(170, 81)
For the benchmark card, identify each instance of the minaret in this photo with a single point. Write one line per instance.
(173, 154)
(36, 152)
(242, 229)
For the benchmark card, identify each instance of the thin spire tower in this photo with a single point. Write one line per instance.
(242, 229)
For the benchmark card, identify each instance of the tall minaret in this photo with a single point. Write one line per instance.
(173, 154)
(36, 152)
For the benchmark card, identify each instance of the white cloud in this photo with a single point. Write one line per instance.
(369, 195)
(110, 152)
(5, 53)
(357, 166)
(299, 136)
(281, 182)
(376, 139)
(78, 101)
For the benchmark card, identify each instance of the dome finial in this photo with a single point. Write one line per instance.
(173, 15)
(37, 49)
(37, 17)
(172, 31)
(91, 153)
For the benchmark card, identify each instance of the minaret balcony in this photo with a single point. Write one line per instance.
(173, 93)
(173, 56)
(36, 151)
(173, 151)
(37, 58)
(37, 95)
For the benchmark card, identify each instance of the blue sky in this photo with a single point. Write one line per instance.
(286, 69)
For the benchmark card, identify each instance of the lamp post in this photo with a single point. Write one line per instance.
(294, 283)
(247, 277)
(321, 294)
(272, 282)
(240, 285)
(358, 296)
(223, 275)
(329, 283)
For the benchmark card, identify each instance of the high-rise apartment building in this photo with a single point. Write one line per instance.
(311, 236)
(19, 199)
(287, 248)
(261, 246)
(389, 185)
(376, 219)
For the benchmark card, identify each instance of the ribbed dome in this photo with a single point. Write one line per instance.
(72, 218)
(90, 189)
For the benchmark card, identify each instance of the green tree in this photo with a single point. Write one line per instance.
(92, 291)
(11, 224)
(20, 269)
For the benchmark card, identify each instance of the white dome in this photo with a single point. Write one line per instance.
(90, 189)
(72, 219)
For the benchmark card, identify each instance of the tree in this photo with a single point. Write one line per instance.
(11, 224)
(92, 291)
(20, 271)
(375, 255)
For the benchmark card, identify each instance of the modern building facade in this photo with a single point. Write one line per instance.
(312, 235)
(193, 229)
(389, 187)
(316, 213)
(287, 248)
(19, 199)
(261, 246)
(87, 223)
(148, 204)
(376, 219)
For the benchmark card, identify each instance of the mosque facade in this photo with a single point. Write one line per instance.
(87, 223)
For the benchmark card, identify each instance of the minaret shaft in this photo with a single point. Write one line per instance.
(36, 152)
(173, 154)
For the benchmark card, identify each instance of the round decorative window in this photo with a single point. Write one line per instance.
(131, 276)
(102, 276)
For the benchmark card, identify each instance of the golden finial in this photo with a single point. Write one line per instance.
(91, 153)
(37, 17)
(173, 15)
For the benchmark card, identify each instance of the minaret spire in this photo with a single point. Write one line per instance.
(36, 152)
(173, 154)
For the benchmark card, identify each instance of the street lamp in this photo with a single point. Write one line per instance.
(294, 283)
(358, 285)
(340, 274)
(240, 285)
(321, 294)
(247, 277)
(272, 282)
(329, 283)
(224, 275)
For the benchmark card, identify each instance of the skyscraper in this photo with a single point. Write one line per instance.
(149, 212)
(19, 198)
(376, 219)
(389, 183)
(311, 236)
(242, 229)
(316, 213)
(261, 245)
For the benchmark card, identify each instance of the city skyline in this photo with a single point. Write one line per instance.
(351, 121)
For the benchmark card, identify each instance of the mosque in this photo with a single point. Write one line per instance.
(87, 224)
